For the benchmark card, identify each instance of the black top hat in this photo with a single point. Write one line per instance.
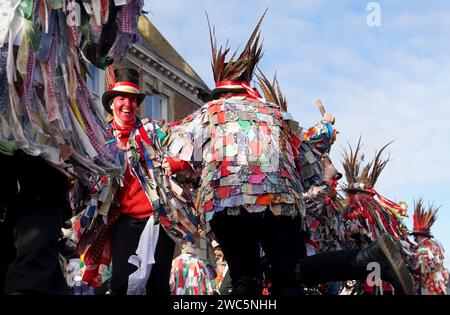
(424, 234)
(126, 83)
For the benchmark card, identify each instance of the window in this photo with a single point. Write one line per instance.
(96, 84)
(93, 83)
(155, 106)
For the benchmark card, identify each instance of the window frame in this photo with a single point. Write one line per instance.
(99, 80)
(151, 93)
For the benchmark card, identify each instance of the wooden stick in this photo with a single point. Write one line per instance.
(321, 107)
(197, 200)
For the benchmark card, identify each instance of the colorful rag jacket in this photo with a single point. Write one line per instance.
(220, 275)
(429, 264)
(172, 206)
(324, 221)
(313, 144)
(189, 276)
(247, 154)
(46, 108)
(325, 228)
(369, 215)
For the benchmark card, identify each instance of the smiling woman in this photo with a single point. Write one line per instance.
(124, 109)
(134, 238)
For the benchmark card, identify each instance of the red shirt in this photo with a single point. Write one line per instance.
(132, 199)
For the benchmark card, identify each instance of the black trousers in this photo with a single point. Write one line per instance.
(241, 238)
(8, 216)
(125, 239)
(283, 242)
(37, 201)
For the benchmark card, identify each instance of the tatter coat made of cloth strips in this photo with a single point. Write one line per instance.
(245, 151)
(172, 207)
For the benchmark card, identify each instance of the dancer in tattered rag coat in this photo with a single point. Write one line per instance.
(189, 274)
(368, 215)
(251, 189)
(50, 127)
(324, 224)
(431, 276)
(135, 223)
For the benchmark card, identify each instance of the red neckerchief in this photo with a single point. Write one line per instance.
(124, 131)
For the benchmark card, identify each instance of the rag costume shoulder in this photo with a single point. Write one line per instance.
(46, 108)
(244, 148)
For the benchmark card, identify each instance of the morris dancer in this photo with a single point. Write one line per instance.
(51, 128)
(144, 212)
(251, 191)
(368, 215)
(432, 277)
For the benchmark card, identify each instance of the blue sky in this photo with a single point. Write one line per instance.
(384, 83)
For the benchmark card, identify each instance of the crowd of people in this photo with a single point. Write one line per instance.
(91, 204)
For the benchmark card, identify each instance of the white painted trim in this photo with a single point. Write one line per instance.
(164, 108)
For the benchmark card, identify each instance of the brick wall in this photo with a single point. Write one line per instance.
(180, 107)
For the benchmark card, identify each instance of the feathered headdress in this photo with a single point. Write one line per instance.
(229, 75)
(359, 177)
(272, 90)
(423, 219)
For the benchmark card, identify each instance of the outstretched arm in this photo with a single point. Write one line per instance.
(173, 166)
(183, 144)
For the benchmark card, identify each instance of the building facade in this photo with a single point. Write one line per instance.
(173, 88)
